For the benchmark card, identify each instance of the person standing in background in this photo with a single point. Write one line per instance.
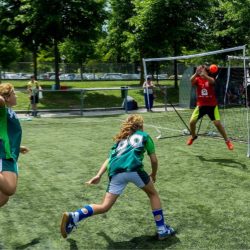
(33, 88)
(148, 86)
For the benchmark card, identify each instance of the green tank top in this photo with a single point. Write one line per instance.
(127, 155)
(10, 134)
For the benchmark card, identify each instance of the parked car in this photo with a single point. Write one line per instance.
(46, 76)
(172, 77)
(112, 76)
(69, 77)
(161, 76)
(10, 75)
(131, 76)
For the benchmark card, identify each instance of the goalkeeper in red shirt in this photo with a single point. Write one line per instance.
(206, 104)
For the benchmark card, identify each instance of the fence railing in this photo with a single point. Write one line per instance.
(83, 100)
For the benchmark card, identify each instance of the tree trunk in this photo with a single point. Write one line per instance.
(175, 74)
(176, 51)
(142, 70)
(34, 55)
(57, 58)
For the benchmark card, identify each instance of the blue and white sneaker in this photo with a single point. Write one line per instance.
(169, 231)
(67, 224)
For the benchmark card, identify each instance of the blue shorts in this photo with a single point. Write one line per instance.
(119, 181)
(8, 165)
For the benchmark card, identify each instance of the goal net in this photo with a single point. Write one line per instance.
(232, 92)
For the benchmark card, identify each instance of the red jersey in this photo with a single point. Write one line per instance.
(205, 92)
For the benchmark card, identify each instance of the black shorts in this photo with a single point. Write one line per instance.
(34, 99)
(211, 111)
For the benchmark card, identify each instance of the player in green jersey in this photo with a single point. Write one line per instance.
(124, 165)
(10, 143)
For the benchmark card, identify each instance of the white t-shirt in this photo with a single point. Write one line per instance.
(148, 87)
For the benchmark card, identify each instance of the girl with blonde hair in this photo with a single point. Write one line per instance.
(10, 143)
(124, 165)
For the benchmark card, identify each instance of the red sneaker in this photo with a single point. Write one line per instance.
(230, 145)
(191, 140)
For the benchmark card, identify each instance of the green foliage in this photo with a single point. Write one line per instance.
(120, 12)
(231, 22)
(124, 30)
(9, 51)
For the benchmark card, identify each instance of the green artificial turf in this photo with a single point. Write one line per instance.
(204, 190)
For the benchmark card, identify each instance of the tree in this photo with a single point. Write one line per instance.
(230, 23)
(120, 11)
(77, 52)
(78, 20)
(161, 27)
(45, 23)
(9, 52)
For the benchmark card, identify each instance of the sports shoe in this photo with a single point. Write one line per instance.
(168, 232)
(230, 145)
(67, 224)
(191, 140)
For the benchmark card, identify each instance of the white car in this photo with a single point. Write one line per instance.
(112, 76)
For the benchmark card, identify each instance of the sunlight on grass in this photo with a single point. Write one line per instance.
(204, 191)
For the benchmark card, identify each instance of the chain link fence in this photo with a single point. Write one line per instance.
(81, 100)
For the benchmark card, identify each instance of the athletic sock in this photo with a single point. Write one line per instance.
(82, 213)
(159, 220)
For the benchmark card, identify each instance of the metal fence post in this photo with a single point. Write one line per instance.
(165, 98)
(82, 103)
(124, 94)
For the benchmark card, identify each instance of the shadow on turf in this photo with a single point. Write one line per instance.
(142, 242)
(30, 244)
(72, 244)
(225, 162)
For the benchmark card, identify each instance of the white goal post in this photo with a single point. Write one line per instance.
(246, 84)
(229, 54)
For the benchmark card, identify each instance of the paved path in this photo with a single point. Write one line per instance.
(89, 113)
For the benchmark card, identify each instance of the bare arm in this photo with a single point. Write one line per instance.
(201, 71)
(197, 73)
(209, 78)
(193, 77)
(29, 89)
(96, 179)
(154, 166)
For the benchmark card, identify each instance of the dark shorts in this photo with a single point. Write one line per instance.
(34, 99)
(211, 111)
(8, 165)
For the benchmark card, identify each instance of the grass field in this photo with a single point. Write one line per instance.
(92, 99)
(204, 190)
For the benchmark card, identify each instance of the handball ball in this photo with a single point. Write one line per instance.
(213, 68)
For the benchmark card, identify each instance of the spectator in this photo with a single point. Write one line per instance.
(148, 86)
(33, 88)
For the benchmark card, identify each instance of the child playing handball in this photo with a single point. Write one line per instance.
(124, 165)
(206, 103)
(10, 140)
